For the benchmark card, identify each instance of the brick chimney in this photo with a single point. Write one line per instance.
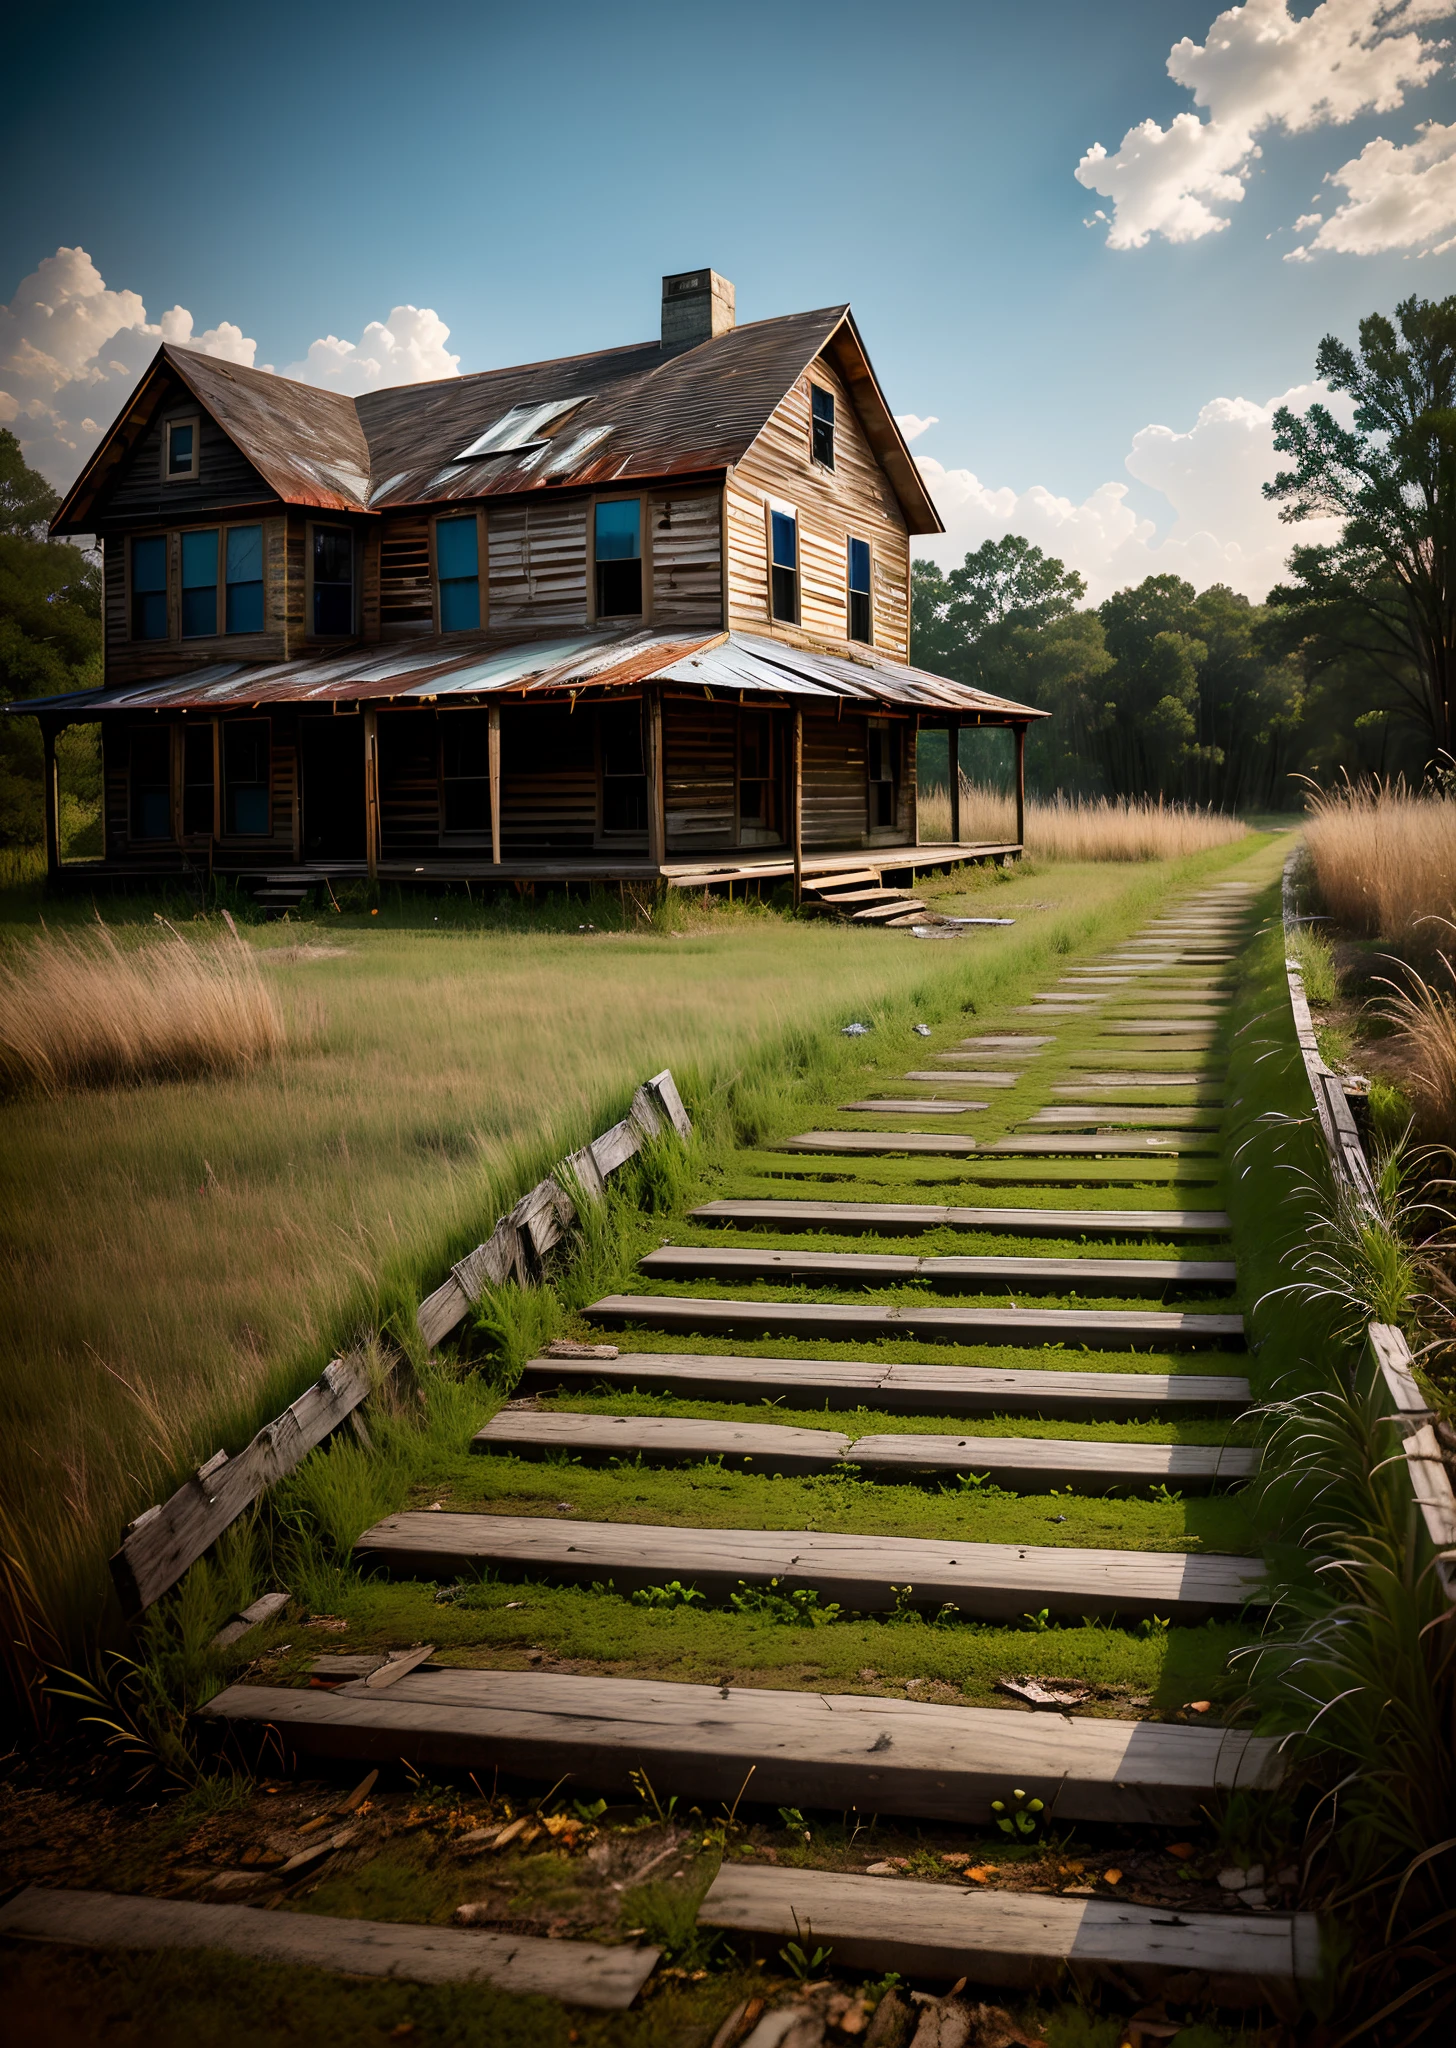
(697, 305)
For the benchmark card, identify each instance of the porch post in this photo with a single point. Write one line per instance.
(953, 770)
(798, 805)
(371, 792)
(493, 743)
(52, 792)
(1021, 786)
(656, 792)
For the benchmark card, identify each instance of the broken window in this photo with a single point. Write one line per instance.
(333, 580)
(784, 561)
(821, 425)
(199, 584)
(523, 427)
(457, 566)
(859, 591)
(618, 554)
(149, 588)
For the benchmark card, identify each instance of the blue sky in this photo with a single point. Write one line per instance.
(529, 174)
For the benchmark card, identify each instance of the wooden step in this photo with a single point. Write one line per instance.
(807, 1749)
(1097, 1078)
(964, 1275)
(1189, 1030)
(900, 1389)
(969, 1079)
(1001, 1041)
(829, 886)
(1133, 1146)
(877, 913)
(579, 1972)
(1105, 1115)
(1028, 1464)
(928, 1323)
(915, 1105)
(985, 1581)
(875, 1141)
(842, 899)
(894, 1219)
(1020, 1940)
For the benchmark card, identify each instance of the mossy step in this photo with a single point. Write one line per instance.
(897, 1218)
(1106, 1329)
(962, 1275)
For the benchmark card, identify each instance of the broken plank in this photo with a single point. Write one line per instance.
(964, 1275)
(578, 1972)
(871, 1574)
(1106, 1328)
(902, 1389)
(1020, 1940)
(893, 1218)
(250, 1618)
(767, 1446)
(805, 1748)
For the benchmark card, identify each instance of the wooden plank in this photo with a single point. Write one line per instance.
(249, 1619)
(1106, 1328)
(980, 1079)
(965, 1275)
(767, 1446)
(577, 1972)
(1020, 1940)
(1105, 1115)
(1133, 1146)
(1193, 1034)
(873, 1142)
(1426, 1467)
(919, 1105)
(1031, 1464)
(160, 1544)
(895, 1218)
(1002, 1041)
(1099, 1078)
(992, 1581)
(901, 1389)
(805, 1748)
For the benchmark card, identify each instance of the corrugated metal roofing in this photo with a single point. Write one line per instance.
(589, 659)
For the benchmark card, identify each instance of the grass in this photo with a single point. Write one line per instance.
(1421, 1012)
(1080, 828)
(1383, 860)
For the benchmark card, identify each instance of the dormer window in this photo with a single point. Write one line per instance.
(522, 428)
(180, 448)
(821, 425)
(618, 555)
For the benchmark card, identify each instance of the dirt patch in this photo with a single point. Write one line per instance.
(291, 956)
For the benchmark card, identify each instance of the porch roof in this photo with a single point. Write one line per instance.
(584, 660)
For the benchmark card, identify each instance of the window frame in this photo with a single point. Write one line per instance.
(821, 391)
(224, 531)
(482, 577)
(162, 733)
(221, 786)
(644, 558)
(134, 638)
(169, 427)
(311, 527)
(622, 837)
(780, 508)
(462, 835)
(867, 638)
(185, 534)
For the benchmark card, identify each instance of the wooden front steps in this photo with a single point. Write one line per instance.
(984, 1581)
(582, 1973)
(960, 1390)
(1021, 1941)
(1028, 1464)
(893, 1219)
(1105, 1329)
(698, 1741)
(962, 1275)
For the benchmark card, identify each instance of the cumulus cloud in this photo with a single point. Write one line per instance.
(1259, 68)
(1399, 198)
(912, 426)
(1222, 530)
(72, 349)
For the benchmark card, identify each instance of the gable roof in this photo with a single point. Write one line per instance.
(644, 412)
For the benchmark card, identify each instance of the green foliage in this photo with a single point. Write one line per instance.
(1313, 954)
(796, 1608)
(673, 1594)
(1020, 1818)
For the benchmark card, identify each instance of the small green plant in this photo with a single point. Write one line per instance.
(1022, 1818)
(673, 1594)
(794, 1822)
(642, 1786)
(1039, 1622)
(1153, 1627)
(588, 1810)
(873, 1992)
(798, 1608)
(796, 1956)
(1165, 1495)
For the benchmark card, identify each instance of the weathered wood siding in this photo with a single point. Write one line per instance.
(537, 568)
(855, 498)
(700, 756)
(225, 478)
(687, 559)
(406, 596)
(409, 782)
(836, 789)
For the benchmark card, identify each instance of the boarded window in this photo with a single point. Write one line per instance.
(243, 609)
(246, 778)
(199, 584)
(619, 558)
(197, 780)
(821, 425)
(333, 580)
(457, 566)
(151, 782)
(149, 588)
(784, 529)
(624, 770)
(859, 591)
(465, 767)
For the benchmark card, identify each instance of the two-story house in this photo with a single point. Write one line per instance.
(623, 615)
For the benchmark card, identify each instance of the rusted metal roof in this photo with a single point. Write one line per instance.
(589, 659)
(640, 412)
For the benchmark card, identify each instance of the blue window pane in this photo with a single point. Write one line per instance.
(250, 808)
(179, 450)
(619, 533)
(457, 550)
(149, 564)
(785, 541)
(154, 814)
(859, 565)
(199, 612)
(460, 605)
(149, 615)
(199, 559)
(245, 607)
(245, 554)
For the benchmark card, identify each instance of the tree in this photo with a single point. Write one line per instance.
(1391, 478)
(50, 641)
(1149, 729)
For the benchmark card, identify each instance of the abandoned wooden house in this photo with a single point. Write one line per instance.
(642, 614)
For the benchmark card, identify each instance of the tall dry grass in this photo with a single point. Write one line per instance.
(78, 1010)
(1422, 1007)
(1080, 828)
(1384, 860)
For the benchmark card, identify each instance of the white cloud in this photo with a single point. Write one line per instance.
(912, 426)
(72, 349)
(1259, 68)
(1399, 198)
(1222, 530)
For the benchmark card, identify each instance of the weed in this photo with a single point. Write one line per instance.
(1154, 1625)
(1022, 1820)
(673, 1594)
(796, 1608)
